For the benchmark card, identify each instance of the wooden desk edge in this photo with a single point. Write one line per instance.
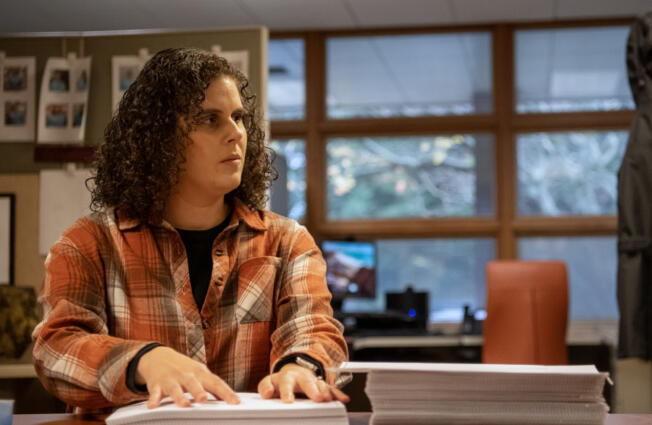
(355, 418)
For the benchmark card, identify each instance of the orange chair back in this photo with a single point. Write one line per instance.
(527, 313)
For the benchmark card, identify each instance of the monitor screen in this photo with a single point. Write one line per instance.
(350, 268)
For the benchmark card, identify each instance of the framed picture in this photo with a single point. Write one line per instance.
(7, 217)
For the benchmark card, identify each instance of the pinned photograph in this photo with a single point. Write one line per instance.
(77, 114)
(15, 113)
(128, 75)
(56, 116)
(15, 78)
(17, 99)
(124, 71)
(82, 81)
(64, 100)
(59, 80)
(238, 58)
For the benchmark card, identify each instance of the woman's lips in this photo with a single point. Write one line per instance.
(232, 159)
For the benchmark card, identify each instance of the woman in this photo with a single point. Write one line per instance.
(180, 282)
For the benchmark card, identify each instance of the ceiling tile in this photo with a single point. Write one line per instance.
(296, 14)
(196, 14)
(93, 15)
(468, 11)
(600, 8)
(382, 13)
(70, 15)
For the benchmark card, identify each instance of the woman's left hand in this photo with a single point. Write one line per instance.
(291, 379)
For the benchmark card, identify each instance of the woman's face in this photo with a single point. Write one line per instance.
(215, 157)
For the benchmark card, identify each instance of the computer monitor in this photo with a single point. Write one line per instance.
(350, 268)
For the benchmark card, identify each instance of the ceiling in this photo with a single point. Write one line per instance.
(102, 15)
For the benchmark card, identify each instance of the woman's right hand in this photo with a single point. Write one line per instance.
(169, 373)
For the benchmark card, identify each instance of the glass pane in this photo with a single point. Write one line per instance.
(574, 69)
(286, 87)
(425, 176)
(451, 270)
(409, 75)
(288, 192)
(561, 174)
(592, 264)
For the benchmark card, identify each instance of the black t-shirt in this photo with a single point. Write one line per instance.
(199, 245)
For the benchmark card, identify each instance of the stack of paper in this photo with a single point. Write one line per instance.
(252, 410)
(440, 393)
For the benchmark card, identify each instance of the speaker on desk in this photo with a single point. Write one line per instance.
(414, 304)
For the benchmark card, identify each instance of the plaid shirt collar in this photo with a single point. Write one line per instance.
(240, 213)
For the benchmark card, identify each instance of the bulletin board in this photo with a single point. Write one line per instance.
(102, 46)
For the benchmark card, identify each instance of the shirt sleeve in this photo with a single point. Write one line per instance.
(305, 323)
(74, 356)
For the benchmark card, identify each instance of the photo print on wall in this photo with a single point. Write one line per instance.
(124, 70)
(238, 58)
(64, 100)
(17, 97)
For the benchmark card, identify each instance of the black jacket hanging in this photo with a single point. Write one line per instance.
(635, 203)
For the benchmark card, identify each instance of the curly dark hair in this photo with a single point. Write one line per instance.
(143, 150)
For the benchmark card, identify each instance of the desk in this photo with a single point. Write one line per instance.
(19, 380)
(354, 419)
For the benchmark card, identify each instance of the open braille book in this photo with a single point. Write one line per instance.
(252, 409)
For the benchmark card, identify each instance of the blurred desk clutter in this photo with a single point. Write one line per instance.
(18, 317)
(407, 312)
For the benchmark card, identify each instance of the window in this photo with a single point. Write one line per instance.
(288, 192)
(409, 75)
(591, 263)
(416, 140)
(562, 174)
(286, 83)
(451, 270)
(571, 69)
(434, 176)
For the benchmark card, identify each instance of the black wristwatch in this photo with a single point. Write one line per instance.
(302, 360)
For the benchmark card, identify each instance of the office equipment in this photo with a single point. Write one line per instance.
(350, 268)
(411, 303)
(441, 393)
(527, 311)
(380, 323)
(253, 409)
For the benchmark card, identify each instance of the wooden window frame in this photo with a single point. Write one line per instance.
(504, 124)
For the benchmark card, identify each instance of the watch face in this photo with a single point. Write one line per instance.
(308, 365)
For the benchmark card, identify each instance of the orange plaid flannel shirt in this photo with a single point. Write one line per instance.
(114, 285)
